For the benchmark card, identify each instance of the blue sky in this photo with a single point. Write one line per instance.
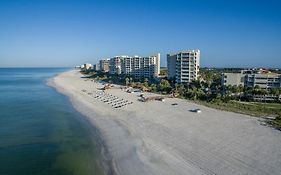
(229, 33)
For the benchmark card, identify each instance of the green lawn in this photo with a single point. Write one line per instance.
(249, 108)
(267, 105)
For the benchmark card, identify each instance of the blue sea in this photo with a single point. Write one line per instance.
(40, 132)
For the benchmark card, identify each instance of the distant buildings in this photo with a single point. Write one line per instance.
(233, 79)
(141, 66)
(134, 66)
(96, 67)
(249, 78)
(104, 65)
(86, 66)
(184, 66)
(264, 81)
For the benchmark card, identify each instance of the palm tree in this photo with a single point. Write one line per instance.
(145, 82)
(164, 86)
(181, 89)
(153, 87)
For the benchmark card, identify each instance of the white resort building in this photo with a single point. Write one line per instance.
(141, 66)
(104, 65)
(115, 64)
(184, 66)
(249, 78)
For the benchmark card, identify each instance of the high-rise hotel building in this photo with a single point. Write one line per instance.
(104, 65)
(115, 64)
(141, 66)
(183, 66)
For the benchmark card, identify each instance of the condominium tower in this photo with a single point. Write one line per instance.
(183, 66)
(115, 64)
(104, 65)
(141, 66)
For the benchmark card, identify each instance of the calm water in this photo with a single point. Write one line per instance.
(40, 132)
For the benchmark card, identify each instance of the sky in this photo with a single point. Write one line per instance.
(65, 33)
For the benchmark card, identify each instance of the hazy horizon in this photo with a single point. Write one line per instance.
(68, 33)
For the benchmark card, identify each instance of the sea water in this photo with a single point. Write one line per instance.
(40, 132)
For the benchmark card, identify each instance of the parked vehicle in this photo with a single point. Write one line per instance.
(196, 110)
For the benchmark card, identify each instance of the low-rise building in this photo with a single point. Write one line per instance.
(264, 81)
(233, 79)
(86, 66)
(249, 78)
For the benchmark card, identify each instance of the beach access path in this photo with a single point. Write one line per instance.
(158, 138)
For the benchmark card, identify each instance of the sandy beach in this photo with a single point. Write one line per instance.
(145, 138)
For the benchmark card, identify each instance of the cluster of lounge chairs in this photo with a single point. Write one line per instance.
(110, 99)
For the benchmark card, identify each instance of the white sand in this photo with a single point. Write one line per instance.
(158, 138)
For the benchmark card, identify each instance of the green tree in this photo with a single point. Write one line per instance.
(234, 89)
(197, 84)
(257, 87)
(145, 82)
(240, 88)
(164, 86)
(153, 87)
(258, 91)
(195, 93)
(180, 89)
(275, 91)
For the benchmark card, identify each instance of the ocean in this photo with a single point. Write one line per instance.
(40, 131)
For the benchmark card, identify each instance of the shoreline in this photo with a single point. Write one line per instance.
(157, 138)
(105, 156)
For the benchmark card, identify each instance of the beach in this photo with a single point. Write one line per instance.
(159, 138)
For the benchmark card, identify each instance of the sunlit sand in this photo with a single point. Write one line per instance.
(157, 137)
